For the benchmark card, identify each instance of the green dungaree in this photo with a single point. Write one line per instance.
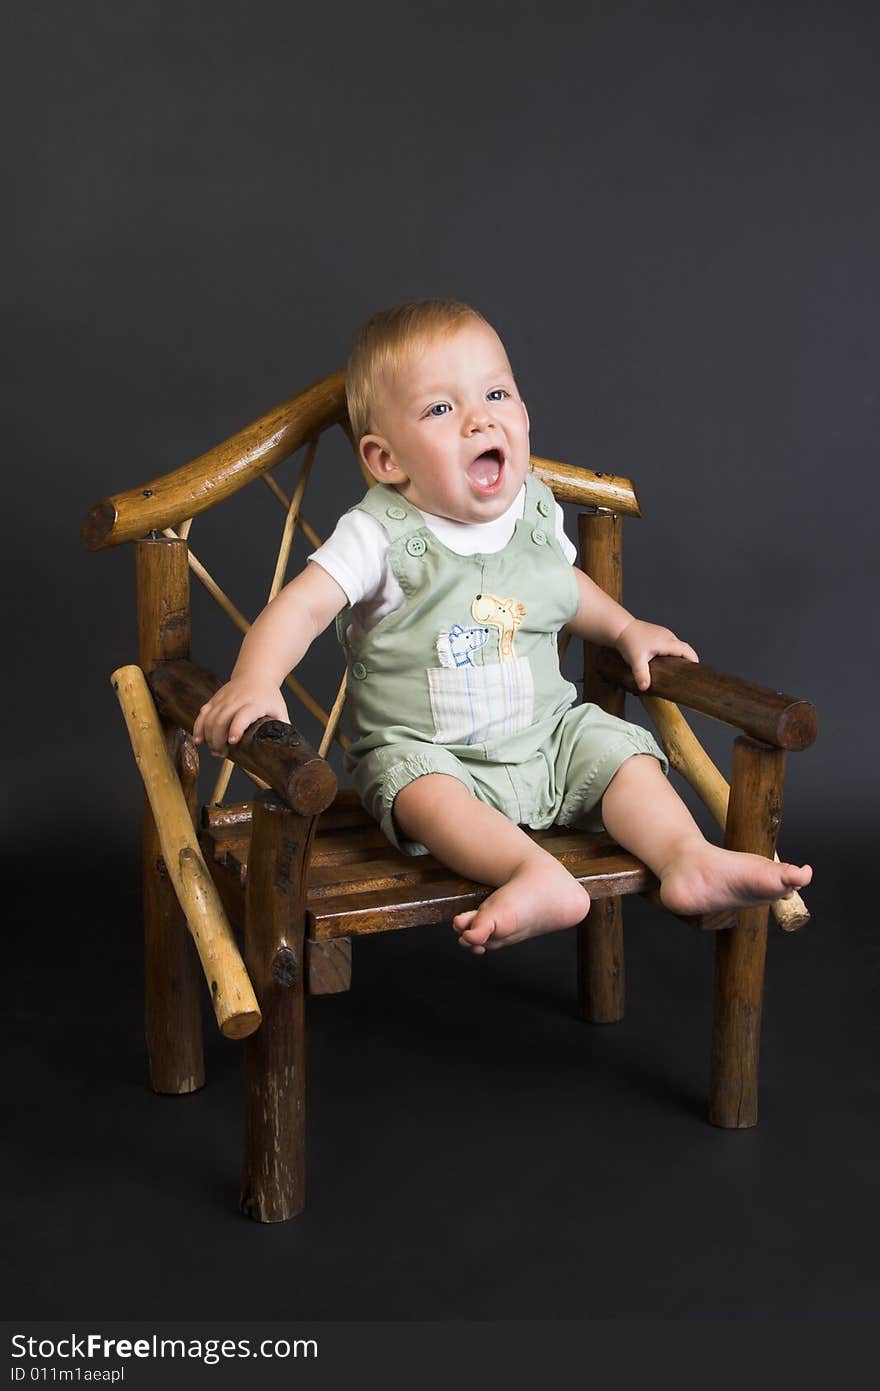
(464, 678)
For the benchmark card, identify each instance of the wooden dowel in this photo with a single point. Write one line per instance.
(221, 471)
(219, 596)
(309, 532)
(198, 485)
(217, 474)
(768, 716)
(277, 491)
(335, 717)
(587, 487)
(688, 757)
(752, 824)
(290, 520)
(233, 998)
(220, 786)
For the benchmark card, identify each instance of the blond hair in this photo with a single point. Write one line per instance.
(381, 344)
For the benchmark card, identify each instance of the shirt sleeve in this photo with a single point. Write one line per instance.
(569, 550)
(355, 555)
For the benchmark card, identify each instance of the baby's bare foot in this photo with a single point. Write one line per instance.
(705, 878)
(537, 898)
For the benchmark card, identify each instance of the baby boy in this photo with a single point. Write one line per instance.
(449, 583)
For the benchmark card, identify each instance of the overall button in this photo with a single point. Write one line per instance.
(398, 513)
(416, 545)
(359, 670)
(539, 537)
(544, 507)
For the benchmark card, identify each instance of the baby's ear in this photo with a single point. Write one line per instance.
(377, 457)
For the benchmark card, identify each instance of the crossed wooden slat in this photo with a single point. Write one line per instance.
(293, 519)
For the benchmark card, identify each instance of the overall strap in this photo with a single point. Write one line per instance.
(391, 511)
(540, 506)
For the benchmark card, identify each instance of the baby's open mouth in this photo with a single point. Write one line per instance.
(485, 471)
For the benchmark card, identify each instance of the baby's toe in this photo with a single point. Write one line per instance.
(462, 921)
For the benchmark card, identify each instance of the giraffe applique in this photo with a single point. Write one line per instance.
(504, 614)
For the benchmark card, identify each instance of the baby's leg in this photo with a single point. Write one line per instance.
(645, 815)
(535, 894)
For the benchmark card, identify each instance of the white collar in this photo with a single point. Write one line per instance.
(477, 538)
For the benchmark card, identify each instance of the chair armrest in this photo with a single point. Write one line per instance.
(268, 748)
(774, 718)
(194, 487)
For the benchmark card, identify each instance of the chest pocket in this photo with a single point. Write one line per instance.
(477, 705)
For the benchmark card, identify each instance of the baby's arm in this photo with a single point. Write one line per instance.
(277, 640)
(601, 620)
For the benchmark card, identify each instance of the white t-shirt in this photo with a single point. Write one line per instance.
(356, 555)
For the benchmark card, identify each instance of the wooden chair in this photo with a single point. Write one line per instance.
(302, 870)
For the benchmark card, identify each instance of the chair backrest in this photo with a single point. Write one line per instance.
(169, 505)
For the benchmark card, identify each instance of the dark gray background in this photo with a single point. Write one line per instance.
(671, 214)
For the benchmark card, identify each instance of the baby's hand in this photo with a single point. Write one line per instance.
(639, 642)
(230, 710)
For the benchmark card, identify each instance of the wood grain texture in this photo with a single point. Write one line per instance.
(269, 749)
(601, 558)
(328, 966)
(785, 721)
(381, 910)
(163, 613)
(586, 487)
(600, 963)
(752, 825)
(231, 994)
(273, 1178)
(601, 975)
(172, 973)
(229, 880)
(195, 486)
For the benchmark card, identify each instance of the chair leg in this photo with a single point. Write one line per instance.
(600, 968)
(601, 979)
(172, 974)
(273, 1180)
(752, 824)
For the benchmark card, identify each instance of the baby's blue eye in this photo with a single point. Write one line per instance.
(496, 393)
(440, 409)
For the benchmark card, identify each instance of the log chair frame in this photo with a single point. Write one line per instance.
(296, 785)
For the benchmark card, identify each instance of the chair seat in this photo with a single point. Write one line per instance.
(359, 883)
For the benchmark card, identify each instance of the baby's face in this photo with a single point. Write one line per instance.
(452, 434)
